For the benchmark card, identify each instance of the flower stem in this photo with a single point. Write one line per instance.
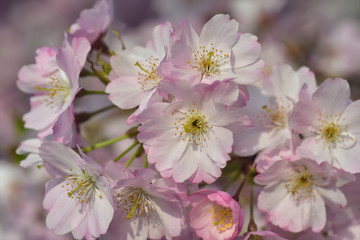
(121, 40)
(84, 92)
(136, 154)
(252, 226)
(126, 151)
(105, 143)
(247, 177)
(84, 72)
(146, 164)
(101, 75)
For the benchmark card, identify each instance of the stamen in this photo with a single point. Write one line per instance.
(300, 183)
(57, 89)
(135, 202)
(222, 217)
(208, 62)
(148, 76)
(276, 115)
(192, 126)
(81, 187)
(334, 131)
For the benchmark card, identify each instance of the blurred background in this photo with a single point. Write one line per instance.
(321, 34)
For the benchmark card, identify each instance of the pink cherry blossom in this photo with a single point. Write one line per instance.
(329, 123)
(296, 192)
(215, 215)
(78, 199)
(94, 21)
(219, 52)
(149, 207)
(269, 108)
(54, 82)
(188, 138)
(134, 79)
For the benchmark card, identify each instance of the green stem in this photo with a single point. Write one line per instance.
(121, 40)
(136, 153)
(101, 75)
(252, 200)
(105, 143)
(126, 151)
(252, 226)
(93, 92)
(84, 92)
(146, 164)
(249, 173)
(84, 73)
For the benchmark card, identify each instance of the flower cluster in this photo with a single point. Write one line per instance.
(198, 107)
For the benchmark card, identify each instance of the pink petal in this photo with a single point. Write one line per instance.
(219, 29)
(60, 157)
(35, 118)
(332, 96)
(246, 50)
(65, 213)
(250, 74)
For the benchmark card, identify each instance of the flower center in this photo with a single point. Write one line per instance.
(208, 62)
(331, 132)
(148, 76)
(276, 115)
(134, 202)
(81, 187)
(57, 89)
(332, 129)
(192, 126)
(300, 184)
(222, 217)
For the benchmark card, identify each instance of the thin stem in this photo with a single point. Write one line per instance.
(252, 200)
(126, 151)
(84, 92)
(136, 153)
(247, 176)
(146, 164)
(252, 226)
(105, 143)
(101, 75)
(93, 92)
(121, 40)
(84, 72)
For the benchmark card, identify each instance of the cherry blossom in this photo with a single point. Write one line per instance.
(147, 207)
(135, 79)
(215, 215)
(78, 198)
(94, 21)
(54, 82)
(328, 122)
(269, 108)
(296, 192)
(188, 138)
(219, 52)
